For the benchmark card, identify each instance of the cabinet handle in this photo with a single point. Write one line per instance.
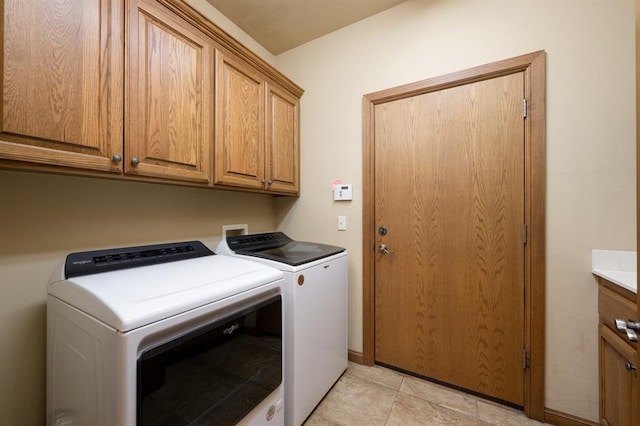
(627, 327)
(116, 158)
(135, 161)
(622, 324)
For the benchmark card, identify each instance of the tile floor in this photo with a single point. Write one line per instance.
(378, 396)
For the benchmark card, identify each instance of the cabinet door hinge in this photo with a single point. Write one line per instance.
(525, 232)
(525, 104)
(525, 359)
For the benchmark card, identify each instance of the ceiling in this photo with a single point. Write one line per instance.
(280, 25)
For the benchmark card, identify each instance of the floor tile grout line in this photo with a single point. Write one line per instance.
(393, 404)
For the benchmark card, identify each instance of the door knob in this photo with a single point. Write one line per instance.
(382, 248)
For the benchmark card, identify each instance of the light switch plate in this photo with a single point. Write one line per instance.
(342, 223)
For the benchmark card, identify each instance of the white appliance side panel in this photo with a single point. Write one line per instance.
(81, 368)
(319, 328)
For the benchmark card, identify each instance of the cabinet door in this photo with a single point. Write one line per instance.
(618, 380)
(169, 104)
(62, 90)
(282, 141)
(239, 145)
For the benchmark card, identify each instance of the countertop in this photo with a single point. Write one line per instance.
(618, 267)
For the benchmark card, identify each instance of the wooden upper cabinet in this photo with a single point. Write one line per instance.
(142, 88)
(282, 141)
(239, 139)
(62, 93)
(169, 98)
(257, 135)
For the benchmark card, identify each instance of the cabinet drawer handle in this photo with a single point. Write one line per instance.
(628, 327)
(135, 161)
(116, 158)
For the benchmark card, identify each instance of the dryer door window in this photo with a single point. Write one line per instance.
(216, 374)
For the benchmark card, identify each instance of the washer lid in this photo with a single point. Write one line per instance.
(131, 298)
(279, 247)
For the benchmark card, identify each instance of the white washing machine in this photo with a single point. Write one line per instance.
(164, 334)
(315, 283)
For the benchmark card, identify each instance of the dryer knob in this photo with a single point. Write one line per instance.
(300, 279)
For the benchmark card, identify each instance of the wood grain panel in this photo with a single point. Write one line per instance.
(240, 106)
(450, 190)
(282, 140)
(170, 96)
(618, 385)
(62, 93)
(612, 305)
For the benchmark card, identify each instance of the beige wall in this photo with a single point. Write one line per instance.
(590, 142)
(45, 217)
(204, 7)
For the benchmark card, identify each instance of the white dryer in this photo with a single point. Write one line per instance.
(315, 283)
(164, 334)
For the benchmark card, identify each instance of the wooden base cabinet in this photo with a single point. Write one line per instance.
(618, 373)
(62, 94)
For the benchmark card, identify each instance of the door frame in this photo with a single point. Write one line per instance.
(534, 67)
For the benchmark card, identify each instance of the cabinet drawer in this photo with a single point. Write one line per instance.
(612, 305)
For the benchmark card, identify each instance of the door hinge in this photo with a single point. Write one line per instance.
(525, 104)
(525, 359)
(525, 232)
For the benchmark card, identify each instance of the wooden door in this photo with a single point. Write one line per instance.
(282, 141)
(239, 139)
(170, 96)
(62, 93)
(449, 207)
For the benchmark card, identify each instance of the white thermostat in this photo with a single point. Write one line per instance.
(342, 192)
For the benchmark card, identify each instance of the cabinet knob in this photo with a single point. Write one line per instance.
(263, 182)
(270, 181)
(135, 161)
(116, 158)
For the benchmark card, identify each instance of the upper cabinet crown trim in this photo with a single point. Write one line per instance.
(228, 42)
